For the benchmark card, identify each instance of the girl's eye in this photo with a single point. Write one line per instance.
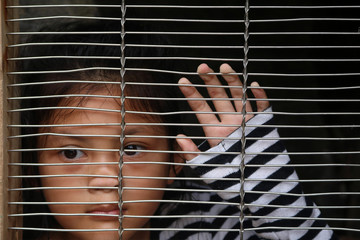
(132, 148)
(72, 154)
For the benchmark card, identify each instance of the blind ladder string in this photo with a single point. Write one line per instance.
(122, 111)
(243, 112)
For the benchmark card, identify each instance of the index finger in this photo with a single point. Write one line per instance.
(197, 106)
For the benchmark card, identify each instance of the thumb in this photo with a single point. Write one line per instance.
(187, 145)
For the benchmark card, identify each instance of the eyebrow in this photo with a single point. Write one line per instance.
(135, 130)
(74, 135)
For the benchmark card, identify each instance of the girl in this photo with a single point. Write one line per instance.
(90, 190)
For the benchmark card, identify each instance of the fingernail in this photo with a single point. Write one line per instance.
(255, 84)
(226, 68)
(204, 68)
(184, 81)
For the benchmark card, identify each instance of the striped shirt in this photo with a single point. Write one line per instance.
(274, 206)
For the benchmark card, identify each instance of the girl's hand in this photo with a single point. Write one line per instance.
(227, 106)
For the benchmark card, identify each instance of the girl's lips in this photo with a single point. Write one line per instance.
(101, 212)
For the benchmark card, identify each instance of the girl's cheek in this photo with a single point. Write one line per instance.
(63, 170)
(146, 170)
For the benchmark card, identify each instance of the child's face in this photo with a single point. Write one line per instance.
(89, 188)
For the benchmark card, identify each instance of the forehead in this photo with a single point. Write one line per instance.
(105, 98)
(103, 113)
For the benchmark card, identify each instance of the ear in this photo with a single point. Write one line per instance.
(174, 170)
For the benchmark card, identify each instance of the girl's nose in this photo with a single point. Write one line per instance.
(104, 174)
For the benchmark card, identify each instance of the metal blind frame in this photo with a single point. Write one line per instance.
(5, 131)
(3, 199)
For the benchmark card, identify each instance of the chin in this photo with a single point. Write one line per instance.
(105, 235)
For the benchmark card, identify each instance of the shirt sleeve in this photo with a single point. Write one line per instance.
(273, 200)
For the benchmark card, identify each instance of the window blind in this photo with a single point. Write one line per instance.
(304, 54)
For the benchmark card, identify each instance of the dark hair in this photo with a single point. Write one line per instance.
(76, 56)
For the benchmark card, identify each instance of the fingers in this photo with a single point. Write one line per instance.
(230, 105)
(216, 92)
(187, 145)
(235, 82)
(197, 106)
(261, 94)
